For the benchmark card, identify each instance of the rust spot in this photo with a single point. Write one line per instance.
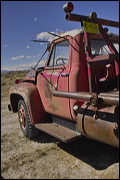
(48, 90)
(53, 107)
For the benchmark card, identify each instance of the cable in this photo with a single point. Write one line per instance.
(83, 126)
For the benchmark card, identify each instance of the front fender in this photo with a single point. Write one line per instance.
(30, 94)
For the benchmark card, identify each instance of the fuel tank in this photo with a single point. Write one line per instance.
(101, 124)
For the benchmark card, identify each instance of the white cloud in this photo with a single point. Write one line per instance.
(28, 57)
(35, 19)
(59, 31)
(17, 57)
(27, 47)
(5, 45)
(14, 58)
(23, 56)
(45, 35)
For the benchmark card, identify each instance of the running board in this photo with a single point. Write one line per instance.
(58, 131)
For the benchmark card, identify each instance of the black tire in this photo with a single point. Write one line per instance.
(27, 128)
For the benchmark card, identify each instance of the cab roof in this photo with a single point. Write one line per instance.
(75, 32)
(71, 33)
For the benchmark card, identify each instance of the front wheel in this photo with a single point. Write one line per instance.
(27, 128)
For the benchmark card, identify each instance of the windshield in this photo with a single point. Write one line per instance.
(100, 47)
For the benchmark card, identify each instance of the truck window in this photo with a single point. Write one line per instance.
(59, 55)
(100, 47)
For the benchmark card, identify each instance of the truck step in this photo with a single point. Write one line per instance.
(58, 131)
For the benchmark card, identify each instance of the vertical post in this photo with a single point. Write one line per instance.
(88, 54)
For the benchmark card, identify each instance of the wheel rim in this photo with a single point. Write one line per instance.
(22, 117)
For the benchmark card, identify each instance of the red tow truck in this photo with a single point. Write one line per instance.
(76, 93)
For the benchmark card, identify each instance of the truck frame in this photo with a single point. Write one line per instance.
(76, 93)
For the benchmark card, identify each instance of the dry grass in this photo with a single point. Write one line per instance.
(8, 80)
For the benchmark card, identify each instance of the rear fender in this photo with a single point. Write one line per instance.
(29, 93)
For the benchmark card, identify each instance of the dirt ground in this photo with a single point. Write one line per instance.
(48, 158)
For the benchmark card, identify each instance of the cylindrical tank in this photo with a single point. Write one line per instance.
(101, 125)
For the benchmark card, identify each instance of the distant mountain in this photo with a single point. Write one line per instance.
(4, 71)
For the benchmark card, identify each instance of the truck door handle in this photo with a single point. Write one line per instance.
(64, 74)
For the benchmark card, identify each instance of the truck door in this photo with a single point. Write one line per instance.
(56, 77)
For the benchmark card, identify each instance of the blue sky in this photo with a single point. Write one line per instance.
(22, 21)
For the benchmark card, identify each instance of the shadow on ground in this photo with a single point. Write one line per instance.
(96, 154)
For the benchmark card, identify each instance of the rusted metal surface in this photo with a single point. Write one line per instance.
(104, 128)
(22, 117)
(85, 96)
(104, 57)
(78, 18)
(78, 71)
(111, 48)
(109, 100)
(53, 78)
(30, 94)
(88, 54)
(58, 131)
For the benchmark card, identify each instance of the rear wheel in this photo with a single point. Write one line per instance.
(24, 119)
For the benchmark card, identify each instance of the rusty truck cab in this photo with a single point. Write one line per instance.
(68, 72)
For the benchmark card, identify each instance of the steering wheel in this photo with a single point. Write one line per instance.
(61, 59)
